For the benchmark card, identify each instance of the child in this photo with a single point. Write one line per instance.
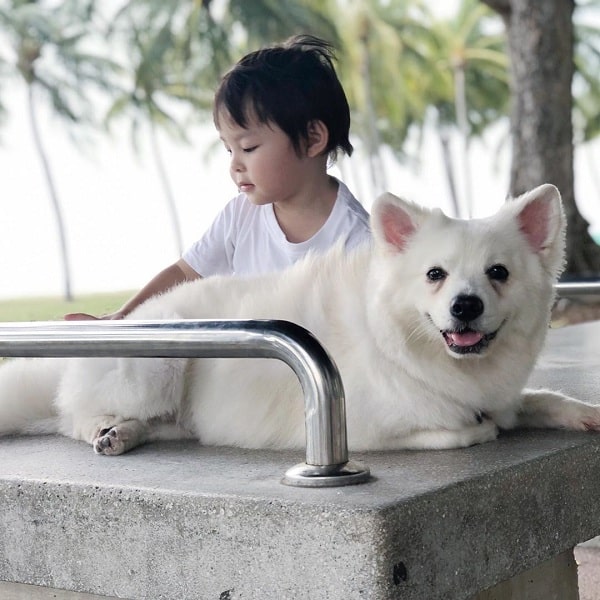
(282, 115)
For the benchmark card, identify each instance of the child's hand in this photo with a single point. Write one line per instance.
(79, 317)
(86, 317)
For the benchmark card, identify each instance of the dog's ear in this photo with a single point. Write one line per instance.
(542, 222)
(394, 221)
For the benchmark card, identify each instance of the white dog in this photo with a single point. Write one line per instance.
(435, 330)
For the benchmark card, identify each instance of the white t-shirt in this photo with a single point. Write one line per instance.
(245, 239)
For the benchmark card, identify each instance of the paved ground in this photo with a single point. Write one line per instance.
(588, 561)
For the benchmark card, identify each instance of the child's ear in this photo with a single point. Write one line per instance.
(318, 138)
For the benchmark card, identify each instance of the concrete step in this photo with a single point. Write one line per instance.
(175, 520)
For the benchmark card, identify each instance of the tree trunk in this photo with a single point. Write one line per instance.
(540, 43)
(62, 238)
(376, 167)
(166, 186)
(460, 103)
(449, 169)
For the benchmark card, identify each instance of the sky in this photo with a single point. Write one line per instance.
(116, 217)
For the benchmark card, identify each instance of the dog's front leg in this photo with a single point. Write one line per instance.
(445, 439)
(110, 434)
(114, 404)
(120, 438)
(544, 408)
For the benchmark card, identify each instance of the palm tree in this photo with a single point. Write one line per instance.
(400, 63)
(263, 22)
(469, 83)
(52, 57)
(381, 70)
(157, 88)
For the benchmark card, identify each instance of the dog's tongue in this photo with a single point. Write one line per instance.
(464, 338)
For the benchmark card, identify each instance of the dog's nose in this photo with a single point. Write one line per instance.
(466, 307)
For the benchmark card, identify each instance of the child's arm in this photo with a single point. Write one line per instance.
(176, 273)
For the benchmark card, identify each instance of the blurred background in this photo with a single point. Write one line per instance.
(110, 164)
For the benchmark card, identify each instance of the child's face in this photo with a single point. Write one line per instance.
(264, 164)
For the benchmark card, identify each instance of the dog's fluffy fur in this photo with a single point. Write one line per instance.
(435, 329)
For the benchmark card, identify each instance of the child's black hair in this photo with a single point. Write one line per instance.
(290, 85)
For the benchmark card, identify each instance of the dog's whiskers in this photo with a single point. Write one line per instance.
(419, 331)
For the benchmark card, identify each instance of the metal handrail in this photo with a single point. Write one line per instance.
(578, 288)
(325, 418)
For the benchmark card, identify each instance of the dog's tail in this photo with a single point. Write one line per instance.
(27, 391)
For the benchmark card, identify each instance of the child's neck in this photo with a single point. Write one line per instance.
(302, 219)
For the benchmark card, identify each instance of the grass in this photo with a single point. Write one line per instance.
(53, 309)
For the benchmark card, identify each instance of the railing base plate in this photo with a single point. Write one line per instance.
(303, 475)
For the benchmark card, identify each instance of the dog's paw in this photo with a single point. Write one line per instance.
(487, 431)
(543, 408)
(484, 431)
(591, 422)
(109, 442)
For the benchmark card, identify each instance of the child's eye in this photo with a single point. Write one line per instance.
(250, 149)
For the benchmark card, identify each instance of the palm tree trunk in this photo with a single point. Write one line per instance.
(166, 186)
(449, 169)
(52, 191)
(460, 103)
(376, 167)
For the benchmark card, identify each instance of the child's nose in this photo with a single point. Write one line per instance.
(237, 165)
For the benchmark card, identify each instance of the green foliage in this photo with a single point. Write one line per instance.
(177, 51)
(53, 47)
(48, 47)
(269, 21)
(397, 60)
(171, 60)
(400, 62)
(401, 65)
(464, 45)
(383, 68)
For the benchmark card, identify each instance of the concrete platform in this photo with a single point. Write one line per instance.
(179, 521)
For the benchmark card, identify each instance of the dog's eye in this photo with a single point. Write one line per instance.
(436, 274)
(497, 273)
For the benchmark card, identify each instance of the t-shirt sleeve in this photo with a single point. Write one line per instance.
(213, 253)
(355, 220)
(360, 233)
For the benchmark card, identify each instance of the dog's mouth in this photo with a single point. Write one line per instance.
(467, 340)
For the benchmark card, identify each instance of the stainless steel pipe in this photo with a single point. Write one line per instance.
(578, 288)
(325, 417)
